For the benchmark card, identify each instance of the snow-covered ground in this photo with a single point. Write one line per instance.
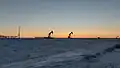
(57, 53)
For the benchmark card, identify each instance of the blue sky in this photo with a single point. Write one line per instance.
(86, 18)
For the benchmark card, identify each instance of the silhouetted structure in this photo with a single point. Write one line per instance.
(19, 31)
(2, 36)
(98, 37)
(117, 37)
(49, 35)
(70, 34)
(17, 36)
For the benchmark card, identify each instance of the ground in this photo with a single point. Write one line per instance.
(58, 53)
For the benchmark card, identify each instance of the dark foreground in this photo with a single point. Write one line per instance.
(58, 53)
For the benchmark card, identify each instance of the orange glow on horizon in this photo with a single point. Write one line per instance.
(73, 36)
(29, 32)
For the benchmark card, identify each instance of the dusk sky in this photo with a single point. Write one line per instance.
(86, 18)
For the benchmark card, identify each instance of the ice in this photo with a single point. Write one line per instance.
(57, 53)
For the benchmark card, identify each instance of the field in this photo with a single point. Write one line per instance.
(58, 53)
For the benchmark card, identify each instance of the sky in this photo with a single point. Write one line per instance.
(86, 18)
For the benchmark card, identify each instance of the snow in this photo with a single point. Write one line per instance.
(57, 53)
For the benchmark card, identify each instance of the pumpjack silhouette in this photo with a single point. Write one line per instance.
(49, 35)
(98, 37)
(16, 36)
(70, 34)
(117, 37)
